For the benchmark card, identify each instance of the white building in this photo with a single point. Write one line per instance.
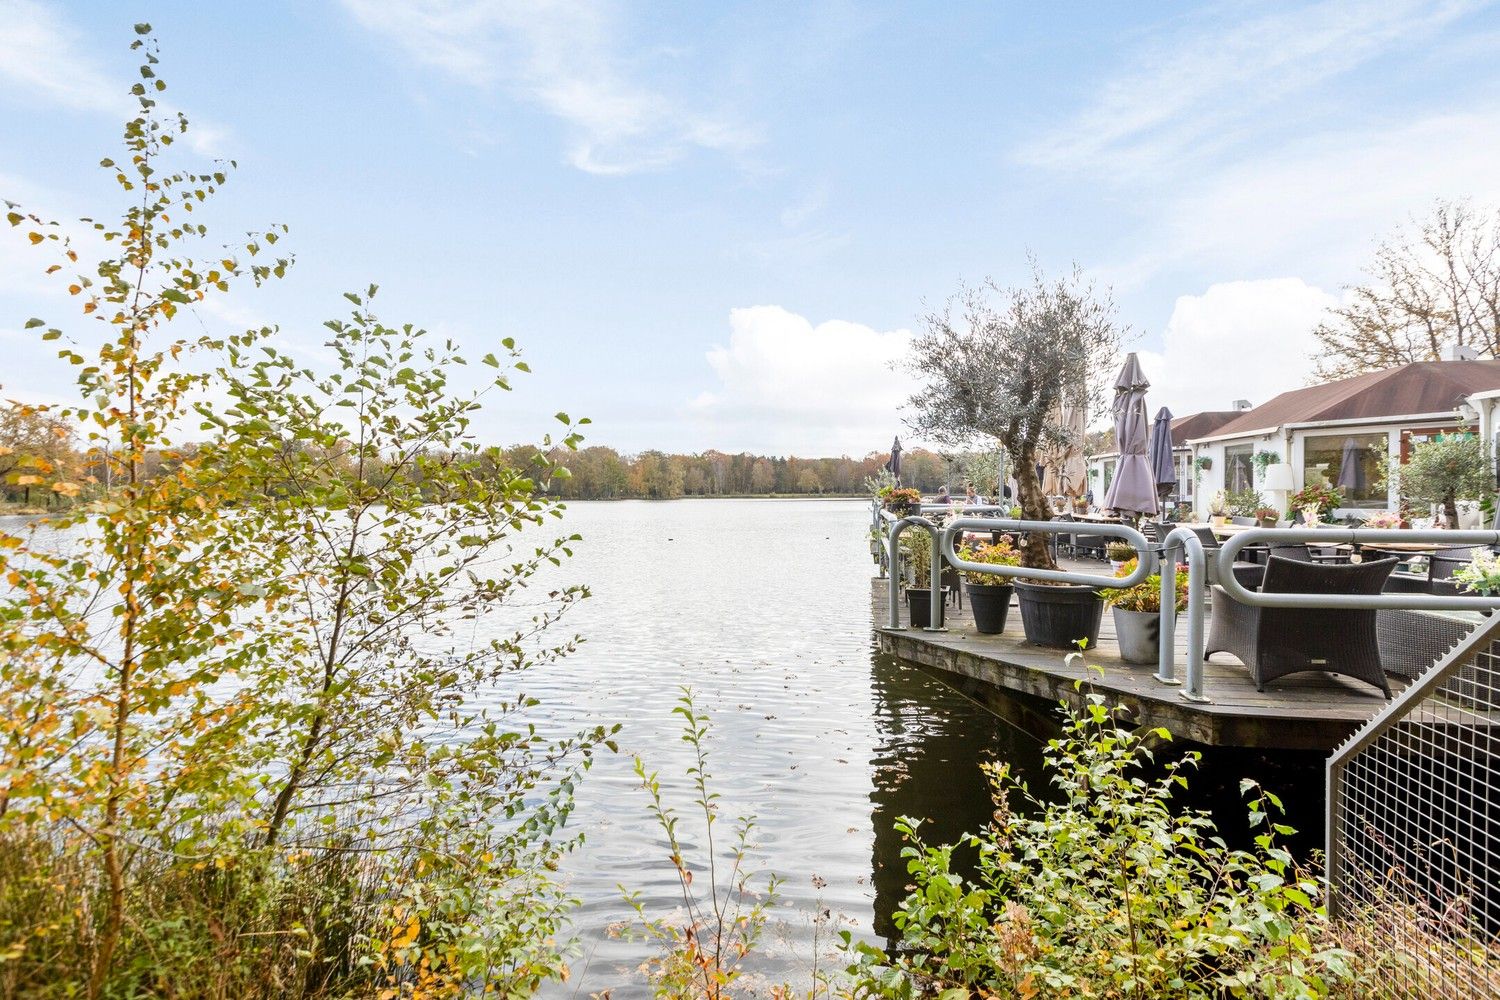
(1304, 436)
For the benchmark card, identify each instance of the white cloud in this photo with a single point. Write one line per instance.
(1190, 92)
(789, 387)
(44, 61)
(1315, 207)
(1238, 340)
(560, 56)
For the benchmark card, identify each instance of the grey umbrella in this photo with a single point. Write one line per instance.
(894, 464)
(1133, 490)
(1351, 469)
(1163, 465)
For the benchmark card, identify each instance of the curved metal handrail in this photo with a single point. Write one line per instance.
(1128, 534)
(1352, 536)
(893, 556)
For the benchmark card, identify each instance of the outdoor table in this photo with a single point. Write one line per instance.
(1097, 518)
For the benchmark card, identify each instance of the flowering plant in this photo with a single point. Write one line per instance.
(900, 499)
(1218, 504)
(1001, 553)
(1146, 595)
(1325, 498)
(1382, 519)
(1481, 575)
(1267, 514)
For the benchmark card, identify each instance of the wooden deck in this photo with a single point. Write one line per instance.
(1311, 711)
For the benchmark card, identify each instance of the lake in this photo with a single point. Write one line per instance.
(763, 608)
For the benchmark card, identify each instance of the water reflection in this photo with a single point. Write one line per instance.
(927, 766)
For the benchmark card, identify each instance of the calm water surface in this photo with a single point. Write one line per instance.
(763, 608)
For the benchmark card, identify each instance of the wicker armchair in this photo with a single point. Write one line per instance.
(1274, 642)
(1440, 567)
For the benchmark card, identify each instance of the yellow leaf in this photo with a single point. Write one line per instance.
(35, 238)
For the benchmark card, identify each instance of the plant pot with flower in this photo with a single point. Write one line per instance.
(989, 595)
(1268, 517)
(1118, 554)
(1218, 508)
(1137, 614)
(900, 501)
(1481, 577)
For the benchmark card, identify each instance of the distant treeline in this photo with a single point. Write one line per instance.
(33, 443)
(601, 473)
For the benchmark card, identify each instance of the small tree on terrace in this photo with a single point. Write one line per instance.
(1444, 471)
(997, 365)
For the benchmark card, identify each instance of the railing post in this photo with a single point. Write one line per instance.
(1333, 817)
(893, 585)
(1167, 650)
(1166, 673)
(935, 587)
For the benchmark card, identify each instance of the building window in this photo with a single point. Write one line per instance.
(1184, 463)
(1239, 470)
(1353, 464)
(1109, 477)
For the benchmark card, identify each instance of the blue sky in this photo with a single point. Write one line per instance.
(713, 225)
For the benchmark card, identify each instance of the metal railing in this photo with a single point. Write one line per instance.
(1182, 542)
(1413, 829)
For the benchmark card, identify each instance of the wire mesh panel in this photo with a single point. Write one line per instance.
(1414, 830)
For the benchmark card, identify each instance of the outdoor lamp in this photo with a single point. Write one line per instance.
(1279, 478)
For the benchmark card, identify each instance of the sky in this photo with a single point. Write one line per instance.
(718, 225)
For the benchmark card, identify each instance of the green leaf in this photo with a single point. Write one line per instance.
(33, 323)
(490, 360)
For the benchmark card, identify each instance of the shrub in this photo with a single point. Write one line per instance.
(1244, 503)
(1001, 553)
(1108, 891)
(1326, 498)
(1146, 595)
(1119, 551)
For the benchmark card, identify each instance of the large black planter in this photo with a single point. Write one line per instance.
(919, 607)
(990, 603)
(1057, 617)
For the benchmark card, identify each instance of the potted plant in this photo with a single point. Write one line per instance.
(1268, 517)
(1481, 576)
(1386, 519)
(1118, 554)
(916, 552)
(900, 501)
(989, 596)
(1315, 501)
(1137, 614)
(1218, 508)
(1080, 505)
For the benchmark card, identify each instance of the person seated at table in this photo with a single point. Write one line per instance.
(943, 497)
(972, 497)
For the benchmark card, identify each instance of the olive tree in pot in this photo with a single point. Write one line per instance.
(1137, 614)
(989, 595)
(1022, 368)
(916, 554)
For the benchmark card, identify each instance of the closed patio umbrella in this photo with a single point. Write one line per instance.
(1133, 490)
(1351, 469)
(1163, 466)
(893, 465)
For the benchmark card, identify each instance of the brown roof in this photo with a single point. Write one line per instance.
(1197, 425)
(1422, 387)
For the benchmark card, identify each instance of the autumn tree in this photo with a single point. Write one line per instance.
(36, 450)
(997, 366)
(1434, 284)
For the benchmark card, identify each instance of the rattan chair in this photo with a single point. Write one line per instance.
(1441, 566)
(1274, 642)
